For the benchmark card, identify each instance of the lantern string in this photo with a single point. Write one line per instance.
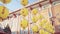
(3, 8)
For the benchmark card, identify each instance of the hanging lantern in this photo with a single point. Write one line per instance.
(4, 12)
(5, 1)
(24, 23)
(46, 32)
(24, 2)
(34, 19)
(45, 20)
(40, 16)
(42, 31)
(24, 12)
(34, 11)
(42, 22)
(35, 28)
(49, 27)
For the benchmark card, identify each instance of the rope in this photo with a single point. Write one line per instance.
(3, 9)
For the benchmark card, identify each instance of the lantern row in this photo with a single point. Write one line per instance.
(39, 4)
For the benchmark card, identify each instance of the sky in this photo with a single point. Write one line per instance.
(15, 4)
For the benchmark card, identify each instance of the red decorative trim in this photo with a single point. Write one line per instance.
(50, 1)
(40, 5)
(15, 15)
(31, 8)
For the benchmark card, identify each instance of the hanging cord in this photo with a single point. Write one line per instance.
(3, 11)
(3, 8)
(52, 9)
(53, 16)
(28, 24)
(18, 25)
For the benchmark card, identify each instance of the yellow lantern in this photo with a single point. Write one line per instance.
(43, 32)
(24, 23)
(40, 16)
(24, 12)
(5, 1)
(45, 20)
(35, 28)
(47, 32)
(49, 27)
(34, 11)
(4, 12)
(42, 22)
(24, 2)
(34, 19)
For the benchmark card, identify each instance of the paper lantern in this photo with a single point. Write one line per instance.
(35, 28)
(42, 31)
(45, 20)
(34, 11)
(46, 32)
(40, 16)
(34, 19)
(42, 22)
(49, 27)
(24, 2)
(4, 12)
(24, 23)
(5, 1)
(24, 12)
